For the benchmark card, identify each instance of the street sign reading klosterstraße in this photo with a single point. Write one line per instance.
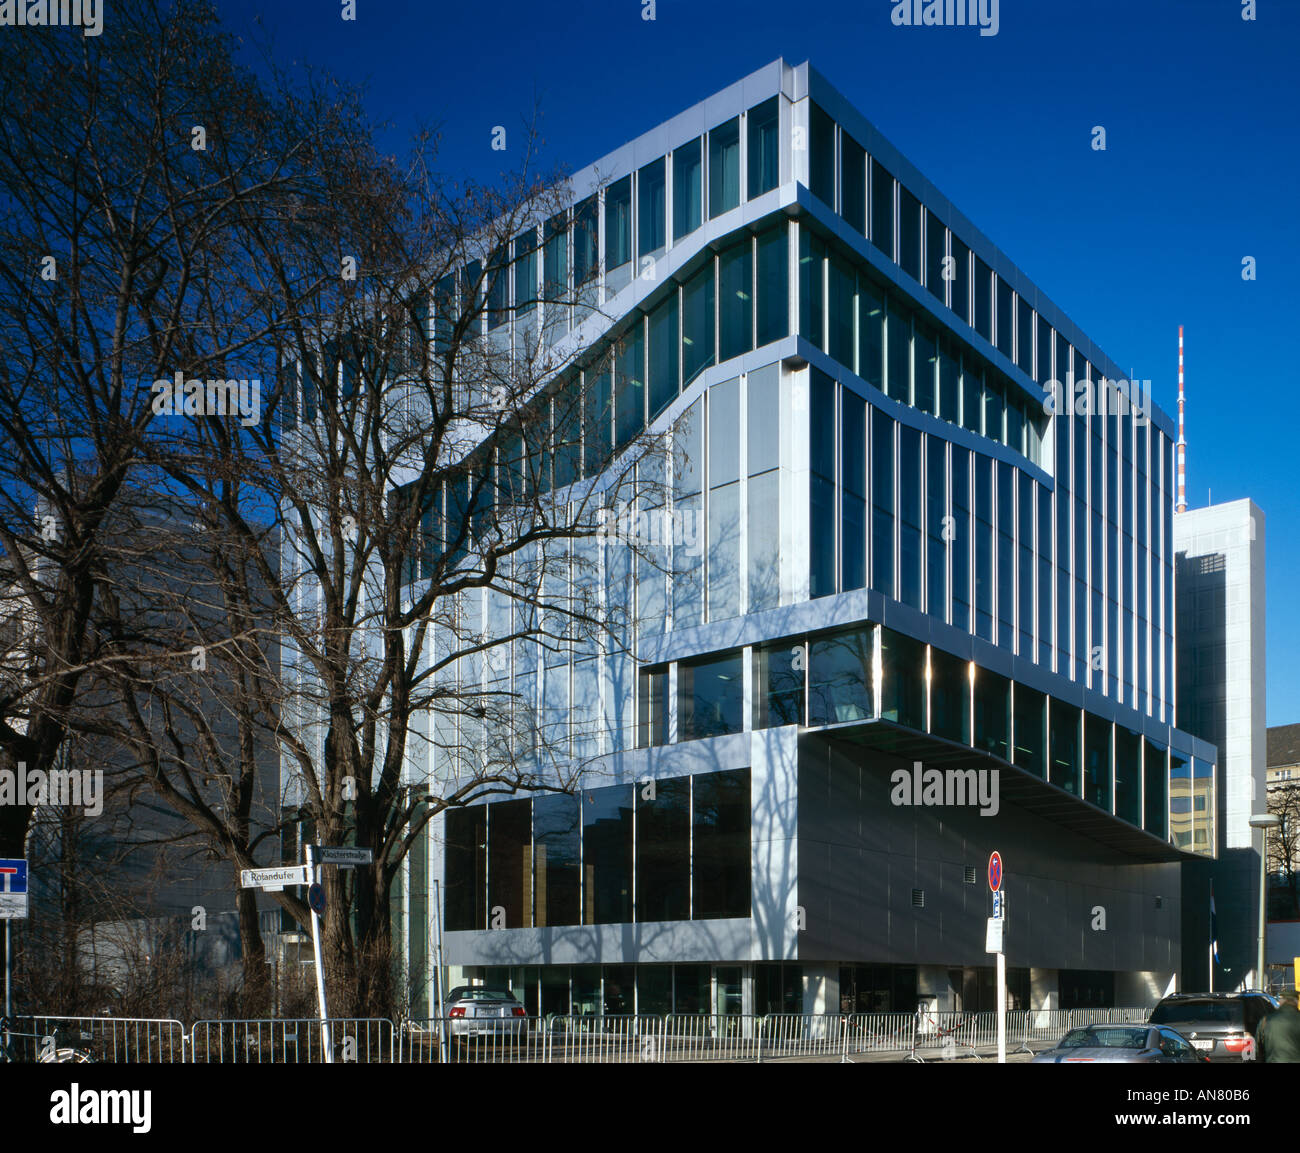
(345, 858)
(273, 880)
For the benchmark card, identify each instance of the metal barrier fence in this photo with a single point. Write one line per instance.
(571, 1039)
(619, 1038)
(710, 1037)
(106, 1039)
(433, 1040)
(363, 1041)
(802, 1035)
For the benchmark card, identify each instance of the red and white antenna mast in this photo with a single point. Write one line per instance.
(1182, 439)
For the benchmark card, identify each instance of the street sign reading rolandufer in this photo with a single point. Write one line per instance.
(273, 880)
(345, 858)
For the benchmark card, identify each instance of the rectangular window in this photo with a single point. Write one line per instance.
(1156, 772)
(1031, 730)
(697, 324)
(724, 167)
(710, 697)
(724, 500)
(618, 223)
(812, 253)
(557, 839)
(960, 268)
(663, 356)
(555, 260)
(992, 713)
(1128, 775)
(466, 868)
(853, 488)
(778, 684)
(936, 509)
(688, 182)
(1096, 761)
(821, 527)
(1025, 336)
(598, 411)
(909, 233)
(1063, 722)
(510, 861)
(498, 296)
(983, 300)
(898, 382)
(882, 209)
(629, 384)
(882, 499)
(607, 855)
(821, 156)
(663, 852)
(652, 205)
(1025, 573)
(839, 680)
(949, 382)
(950, 714)
(1006, 556)
(772, 287)
(984, 547)
(721, 845)
(871, 332)
(526, 271)
(936, 241)
(688, 502)
(902, 672)
(586, 256)
(653, 708)
(764, 391)
(735, 300)
(909, 515)
(926, 355)
(841, 282)
(853, 183)
(1005, 312)
(972, 397)
(764, 148)
(959, 545)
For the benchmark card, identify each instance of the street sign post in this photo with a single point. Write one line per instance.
(994, 943)
(344, 858)
(312, 870)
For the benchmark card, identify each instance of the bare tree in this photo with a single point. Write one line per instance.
(1284, 848)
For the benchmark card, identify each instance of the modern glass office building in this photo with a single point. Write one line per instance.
(897, 547)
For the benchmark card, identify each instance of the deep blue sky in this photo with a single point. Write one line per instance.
(1201, 169)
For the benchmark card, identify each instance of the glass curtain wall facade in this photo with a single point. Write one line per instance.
(864, 403)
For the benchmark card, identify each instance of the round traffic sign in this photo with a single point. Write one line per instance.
(995, 871)
(316, 898)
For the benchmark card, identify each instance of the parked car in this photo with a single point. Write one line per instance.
(1222, 1026)
(481, 1011)
(1124, 1044)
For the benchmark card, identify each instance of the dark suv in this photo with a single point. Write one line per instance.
(1221, 1026)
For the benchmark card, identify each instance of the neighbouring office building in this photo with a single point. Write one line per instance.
(892, 560)
(1219, 559)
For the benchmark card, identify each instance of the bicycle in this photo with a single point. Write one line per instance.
(52, 1048)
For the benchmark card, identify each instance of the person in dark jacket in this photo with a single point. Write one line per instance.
(1279, 1032)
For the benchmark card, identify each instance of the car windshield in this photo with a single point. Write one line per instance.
(478, 993)
(1104, 1039)
(1172, 1012)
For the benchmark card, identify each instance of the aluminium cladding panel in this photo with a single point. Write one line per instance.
(768, 934)
(860, 858)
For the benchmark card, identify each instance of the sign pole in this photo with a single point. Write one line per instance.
(9, 972)
(1002, 1008)
(314, 873)
(998, 937)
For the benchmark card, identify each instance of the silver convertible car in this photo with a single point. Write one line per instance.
(1128, 1044)
(480, 1011)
